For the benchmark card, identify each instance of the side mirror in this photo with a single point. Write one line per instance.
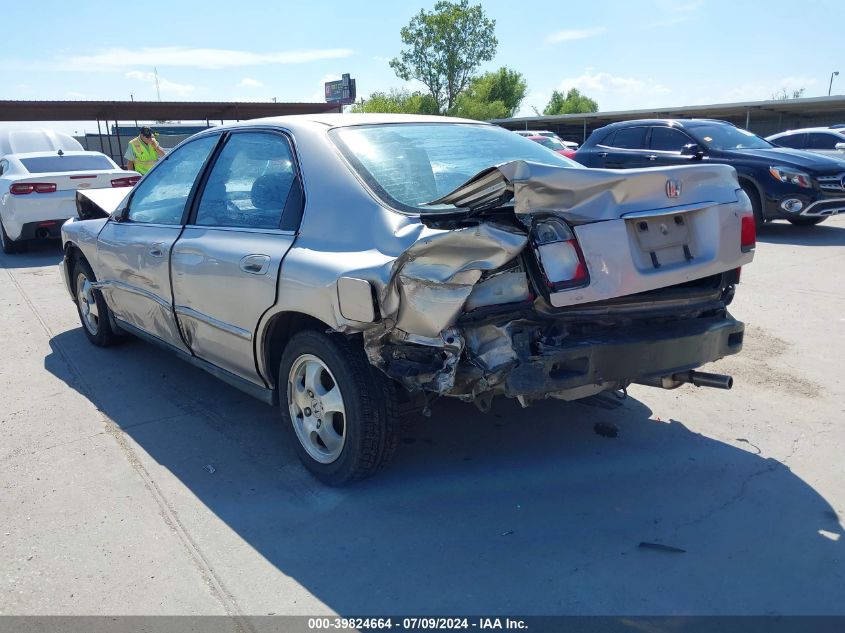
(692, 149)
(840, 147)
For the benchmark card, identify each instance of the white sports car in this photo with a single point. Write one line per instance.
(38, 190)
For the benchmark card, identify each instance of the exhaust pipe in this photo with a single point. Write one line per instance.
(697, 378)
(42, 233)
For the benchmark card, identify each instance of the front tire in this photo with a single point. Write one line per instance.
(340, 411)
(803, 220)
(94, 314)
(10, 246)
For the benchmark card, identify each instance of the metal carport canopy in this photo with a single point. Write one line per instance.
(152, 110)
(805, 106)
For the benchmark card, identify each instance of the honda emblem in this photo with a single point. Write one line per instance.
(673, 188)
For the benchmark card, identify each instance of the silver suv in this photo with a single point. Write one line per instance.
(351, 268)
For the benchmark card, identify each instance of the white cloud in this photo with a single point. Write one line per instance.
(568, 35)
(247, 82)
(166, 86)
(206, 58)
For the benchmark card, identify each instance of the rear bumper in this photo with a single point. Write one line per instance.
(618, 356)
(43, 229)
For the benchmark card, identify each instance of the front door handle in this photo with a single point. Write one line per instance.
(255, 264)
(652, 157)
(157, 249)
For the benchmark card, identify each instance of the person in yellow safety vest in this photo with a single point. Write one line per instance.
(143, 152)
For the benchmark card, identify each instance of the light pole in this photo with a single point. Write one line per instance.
(830, 87)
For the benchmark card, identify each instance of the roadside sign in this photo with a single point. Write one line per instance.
(341, 91)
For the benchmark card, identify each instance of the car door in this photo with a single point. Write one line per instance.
(226, 263)
(133, 249)
(625, 149)
(666, 145)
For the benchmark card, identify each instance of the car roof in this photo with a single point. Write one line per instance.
(333, 120)
(15, 141)
(802, 130)
(668, 122)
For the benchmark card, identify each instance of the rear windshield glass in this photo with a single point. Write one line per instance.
(45, 164)
(409, 164)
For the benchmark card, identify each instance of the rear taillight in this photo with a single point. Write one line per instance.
(129, 181)
(748, 233)
(559, 254)
(25, 188)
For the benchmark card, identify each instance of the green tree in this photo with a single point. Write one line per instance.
(399, 102)
(445, 47)
(573, 103)
(784, 95)
(493, 95)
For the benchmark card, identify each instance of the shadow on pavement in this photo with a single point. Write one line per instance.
(785, 233)
(39, 253)
(514, 512)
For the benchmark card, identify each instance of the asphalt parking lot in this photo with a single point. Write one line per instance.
(133, 483)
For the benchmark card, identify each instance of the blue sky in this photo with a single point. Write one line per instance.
(625, 54)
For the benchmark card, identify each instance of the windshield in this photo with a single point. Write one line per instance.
(409, 164)
(727, 137)
(551, 143)
(48, 164)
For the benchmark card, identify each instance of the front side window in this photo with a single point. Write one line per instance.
(667, 139)
(249, 183)
(160, 198)
(409, 164)
(630, 138)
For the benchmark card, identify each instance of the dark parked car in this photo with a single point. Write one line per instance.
(782, 183)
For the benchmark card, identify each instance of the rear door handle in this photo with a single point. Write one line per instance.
(255, 264)
(651, 156)
(602, 154)
(157, 249)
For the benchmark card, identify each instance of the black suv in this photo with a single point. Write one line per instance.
(798, 186)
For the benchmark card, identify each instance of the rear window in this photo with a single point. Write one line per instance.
(409, 164)
(48, 164)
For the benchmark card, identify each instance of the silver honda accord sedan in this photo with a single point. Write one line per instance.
(352, 268)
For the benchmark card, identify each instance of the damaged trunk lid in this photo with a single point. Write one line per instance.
(630, 230)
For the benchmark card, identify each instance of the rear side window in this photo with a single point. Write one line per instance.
(249, 183)
(48, 164)
(795, 141)
(667, 139)
(630, 138)
(820, 140)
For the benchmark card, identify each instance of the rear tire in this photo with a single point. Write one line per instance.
(340, 411)
(94, 314)
(10, 246)
(803, 220)
(756, 205)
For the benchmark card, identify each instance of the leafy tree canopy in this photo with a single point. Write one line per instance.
(445, 47)
(493, 95)
(398, 102)
(573, 103)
